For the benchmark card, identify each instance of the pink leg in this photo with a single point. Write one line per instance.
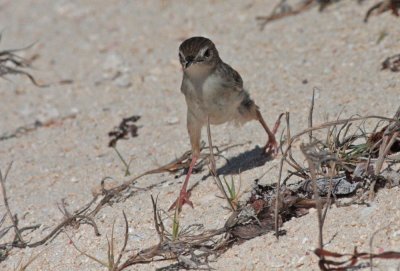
(272, 144)
(184, 194)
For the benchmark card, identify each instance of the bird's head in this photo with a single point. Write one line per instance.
(197, 56)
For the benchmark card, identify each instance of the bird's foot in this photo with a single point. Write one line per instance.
(271, 146)
(181, 200)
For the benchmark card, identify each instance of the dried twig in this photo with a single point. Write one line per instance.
(350, 261)
(289, 158)
(18, 242)
(278, 186)
(389, 138)
(286, 154)
(312, 164)
(310, 115)
(283, 9)
(26, 129)
(115, 193)
(178, 249)
(382, 7)
(214, 169)
(10, 63)
(10, 215)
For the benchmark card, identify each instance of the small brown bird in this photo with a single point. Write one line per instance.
(214, 91)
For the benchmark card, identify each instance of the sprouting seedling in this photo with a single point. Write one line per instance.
(175, 225)
(233, 192)
(127, 165)
(112, 264)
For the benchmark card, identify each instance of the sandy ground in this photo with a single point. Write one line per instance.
(91, 41)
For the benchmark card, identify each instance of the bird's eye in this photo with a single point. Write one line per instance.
(207, 53)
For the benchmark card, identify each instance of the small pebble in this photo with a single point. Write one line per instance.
(172, 121)
(123, 81)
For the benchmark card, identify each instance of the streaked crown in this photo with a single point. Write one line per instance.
(197, 50)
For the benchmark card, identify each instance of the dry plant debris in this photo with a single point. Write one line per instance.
(26, 129)
(127, 189)
(125, 128)
(383, 6)
(392, 63)
(345, 163)
(111, 264)
(11, 63)
(345, 168)
(339, 162)
(18, 240)
(283, 9)
(193, 248)
(360, 156)
(355, 261)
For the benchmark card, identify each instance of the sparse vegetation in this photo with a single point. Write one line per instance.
(342, 162)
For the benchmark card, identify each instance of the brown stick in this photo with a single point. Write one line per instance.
(310, 115)
(313, 174)
(278, 186)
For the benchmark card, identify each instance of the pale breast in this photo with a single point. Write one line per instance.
(212, 97)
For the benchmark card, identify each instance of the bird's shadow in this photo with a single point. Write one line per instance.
(244, 161)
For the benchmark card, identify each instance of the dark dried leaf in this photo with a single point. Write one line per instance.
(125, 128)
(392, 63)
(383, 6)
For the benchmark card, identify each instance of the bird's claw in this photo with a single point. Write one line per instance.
(271, 147)
(181, 200)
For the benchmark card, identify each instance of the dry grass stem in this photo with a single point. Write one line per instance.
(213, 168)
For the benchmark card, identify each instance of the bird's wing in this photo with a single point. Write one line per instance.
(232, 78)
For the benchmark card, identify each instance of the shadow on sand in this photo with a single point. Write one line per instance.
(243, 162)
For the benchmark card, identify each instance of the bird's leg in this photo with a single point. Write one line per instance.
(272, 144)
(194, 130)
(184, 194)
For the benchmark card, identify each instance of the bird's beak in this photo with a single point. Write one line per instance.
(189, 60)
(187, 64)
